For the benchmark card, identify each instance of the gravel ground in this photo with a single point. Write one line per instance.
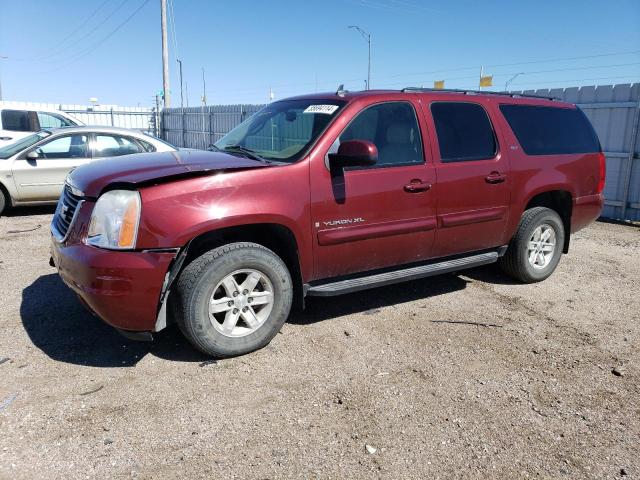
(465, 375)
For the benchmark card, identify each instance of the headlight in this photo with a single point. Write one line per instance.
(115, 219)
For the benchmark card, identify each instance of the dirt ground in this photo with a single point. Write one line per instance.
(460, 376)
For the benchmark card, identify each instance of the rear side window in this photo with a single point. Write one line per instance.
(147, 146)
(51, 120)
(551, 130)
(114, 146)
(18, 121)
(464, 131)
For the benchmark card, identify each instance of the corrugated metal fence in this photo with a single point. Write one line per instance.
(614, 112)
(199, 127)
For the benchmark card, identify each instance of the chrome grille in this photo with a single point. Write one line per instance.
(65, 212)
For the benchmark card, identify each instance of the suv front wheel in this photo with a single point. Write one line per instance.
(534, 251)
(233, 299)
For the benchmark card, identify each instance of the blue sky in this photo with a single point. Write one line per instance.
(67, 51)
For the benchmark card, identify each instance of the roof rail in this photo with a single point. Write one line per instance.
(475, 92)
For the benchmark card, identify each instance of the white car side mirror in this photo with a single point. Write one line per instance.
(33, 155)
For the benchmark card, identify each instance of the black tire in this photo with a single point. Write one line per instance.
(4, 201)
(516, 263)
(195, 287)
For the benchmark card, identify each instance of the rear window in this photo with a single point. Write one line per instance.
(464, 131)
(551, 130)
(17, 121)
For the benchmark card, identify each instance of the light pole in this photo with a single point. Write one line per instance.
(180, 71)
(165, 54)
(506, 84)
(367, 37)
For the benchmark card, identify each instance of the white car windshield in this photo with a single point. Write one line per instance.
(15, 147)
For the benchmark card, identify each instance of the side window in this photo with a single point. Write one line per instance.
(147, 146)
(71, 146)
(393, 128)
(18, 121)
(551, 130)
(51, 120)
(114, 146)
(464, 131)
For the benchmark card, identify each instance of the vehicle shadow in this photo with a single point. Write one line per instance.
(63, 329)
(490, 274)
(318, 309)
(27, 211)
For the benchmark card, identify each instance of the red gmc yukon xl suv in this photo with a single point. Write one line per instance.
(323, 195)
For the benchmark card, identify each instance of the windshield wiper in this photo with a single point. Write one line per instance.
(247, 151)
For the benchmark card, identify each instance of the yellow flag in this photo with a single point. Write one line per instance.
(438, 84)
(486, 81)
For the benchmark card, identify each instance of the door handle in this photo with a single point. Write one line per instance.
(495, 177)
(416, 185)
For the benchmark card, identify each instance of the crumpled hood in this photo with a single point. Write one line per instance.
(143, 168)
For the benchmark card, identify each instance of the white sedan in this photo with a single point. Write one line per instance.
(33, 169)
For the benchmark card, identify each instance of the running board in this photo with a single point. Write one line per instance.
(403, 275)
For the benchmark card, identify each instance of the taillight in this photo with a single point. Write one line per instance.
(603, 171)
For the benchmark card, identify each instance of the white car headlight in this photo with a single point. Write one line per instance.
(115, 219)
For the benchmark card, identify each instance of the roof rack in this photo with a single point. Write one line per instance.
(474, 92)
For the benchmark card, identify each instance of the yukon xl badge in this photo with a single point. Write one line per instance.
(344, 221)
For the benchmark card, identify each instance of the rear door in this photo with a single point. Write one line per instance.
(473, 177)
(373, 217)
(42, 179)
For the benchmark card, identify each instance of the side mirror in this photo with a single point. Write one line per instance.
(33, 155)
(354, 153)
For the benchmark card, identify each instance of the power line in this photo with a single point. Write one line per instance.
(86, 35)
(80, 26)
(90, 49)
(579, 80)
(455, 69)
(172, 24)
(475, 67)
(505, 74)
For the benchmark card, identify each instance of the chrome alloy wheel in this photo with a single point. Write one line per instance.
(541, 246)
(241, 303)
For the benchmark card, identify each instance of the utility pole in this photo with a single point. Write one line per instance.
(367, 37)
(158, 131)
(204, 89)
(181, 94)
(204, 100)
(165, 54)
(2, 57)
(186, 92)
(480, 79)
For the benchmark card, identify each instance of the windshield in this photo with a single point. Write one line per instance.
(15, 147)
(282, 131)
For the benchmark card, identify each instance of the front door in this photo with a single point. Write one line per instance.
(380, 216)
(473, 178)
(42, 179)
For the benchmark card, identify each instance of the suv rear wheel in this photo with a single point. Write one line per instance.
(535, 250)
(233, 299)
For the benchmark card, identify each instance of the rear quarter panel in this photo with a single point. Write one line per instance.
(531, 175)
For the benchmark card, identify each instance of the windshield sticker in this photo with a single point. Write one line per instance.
(326, 109)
